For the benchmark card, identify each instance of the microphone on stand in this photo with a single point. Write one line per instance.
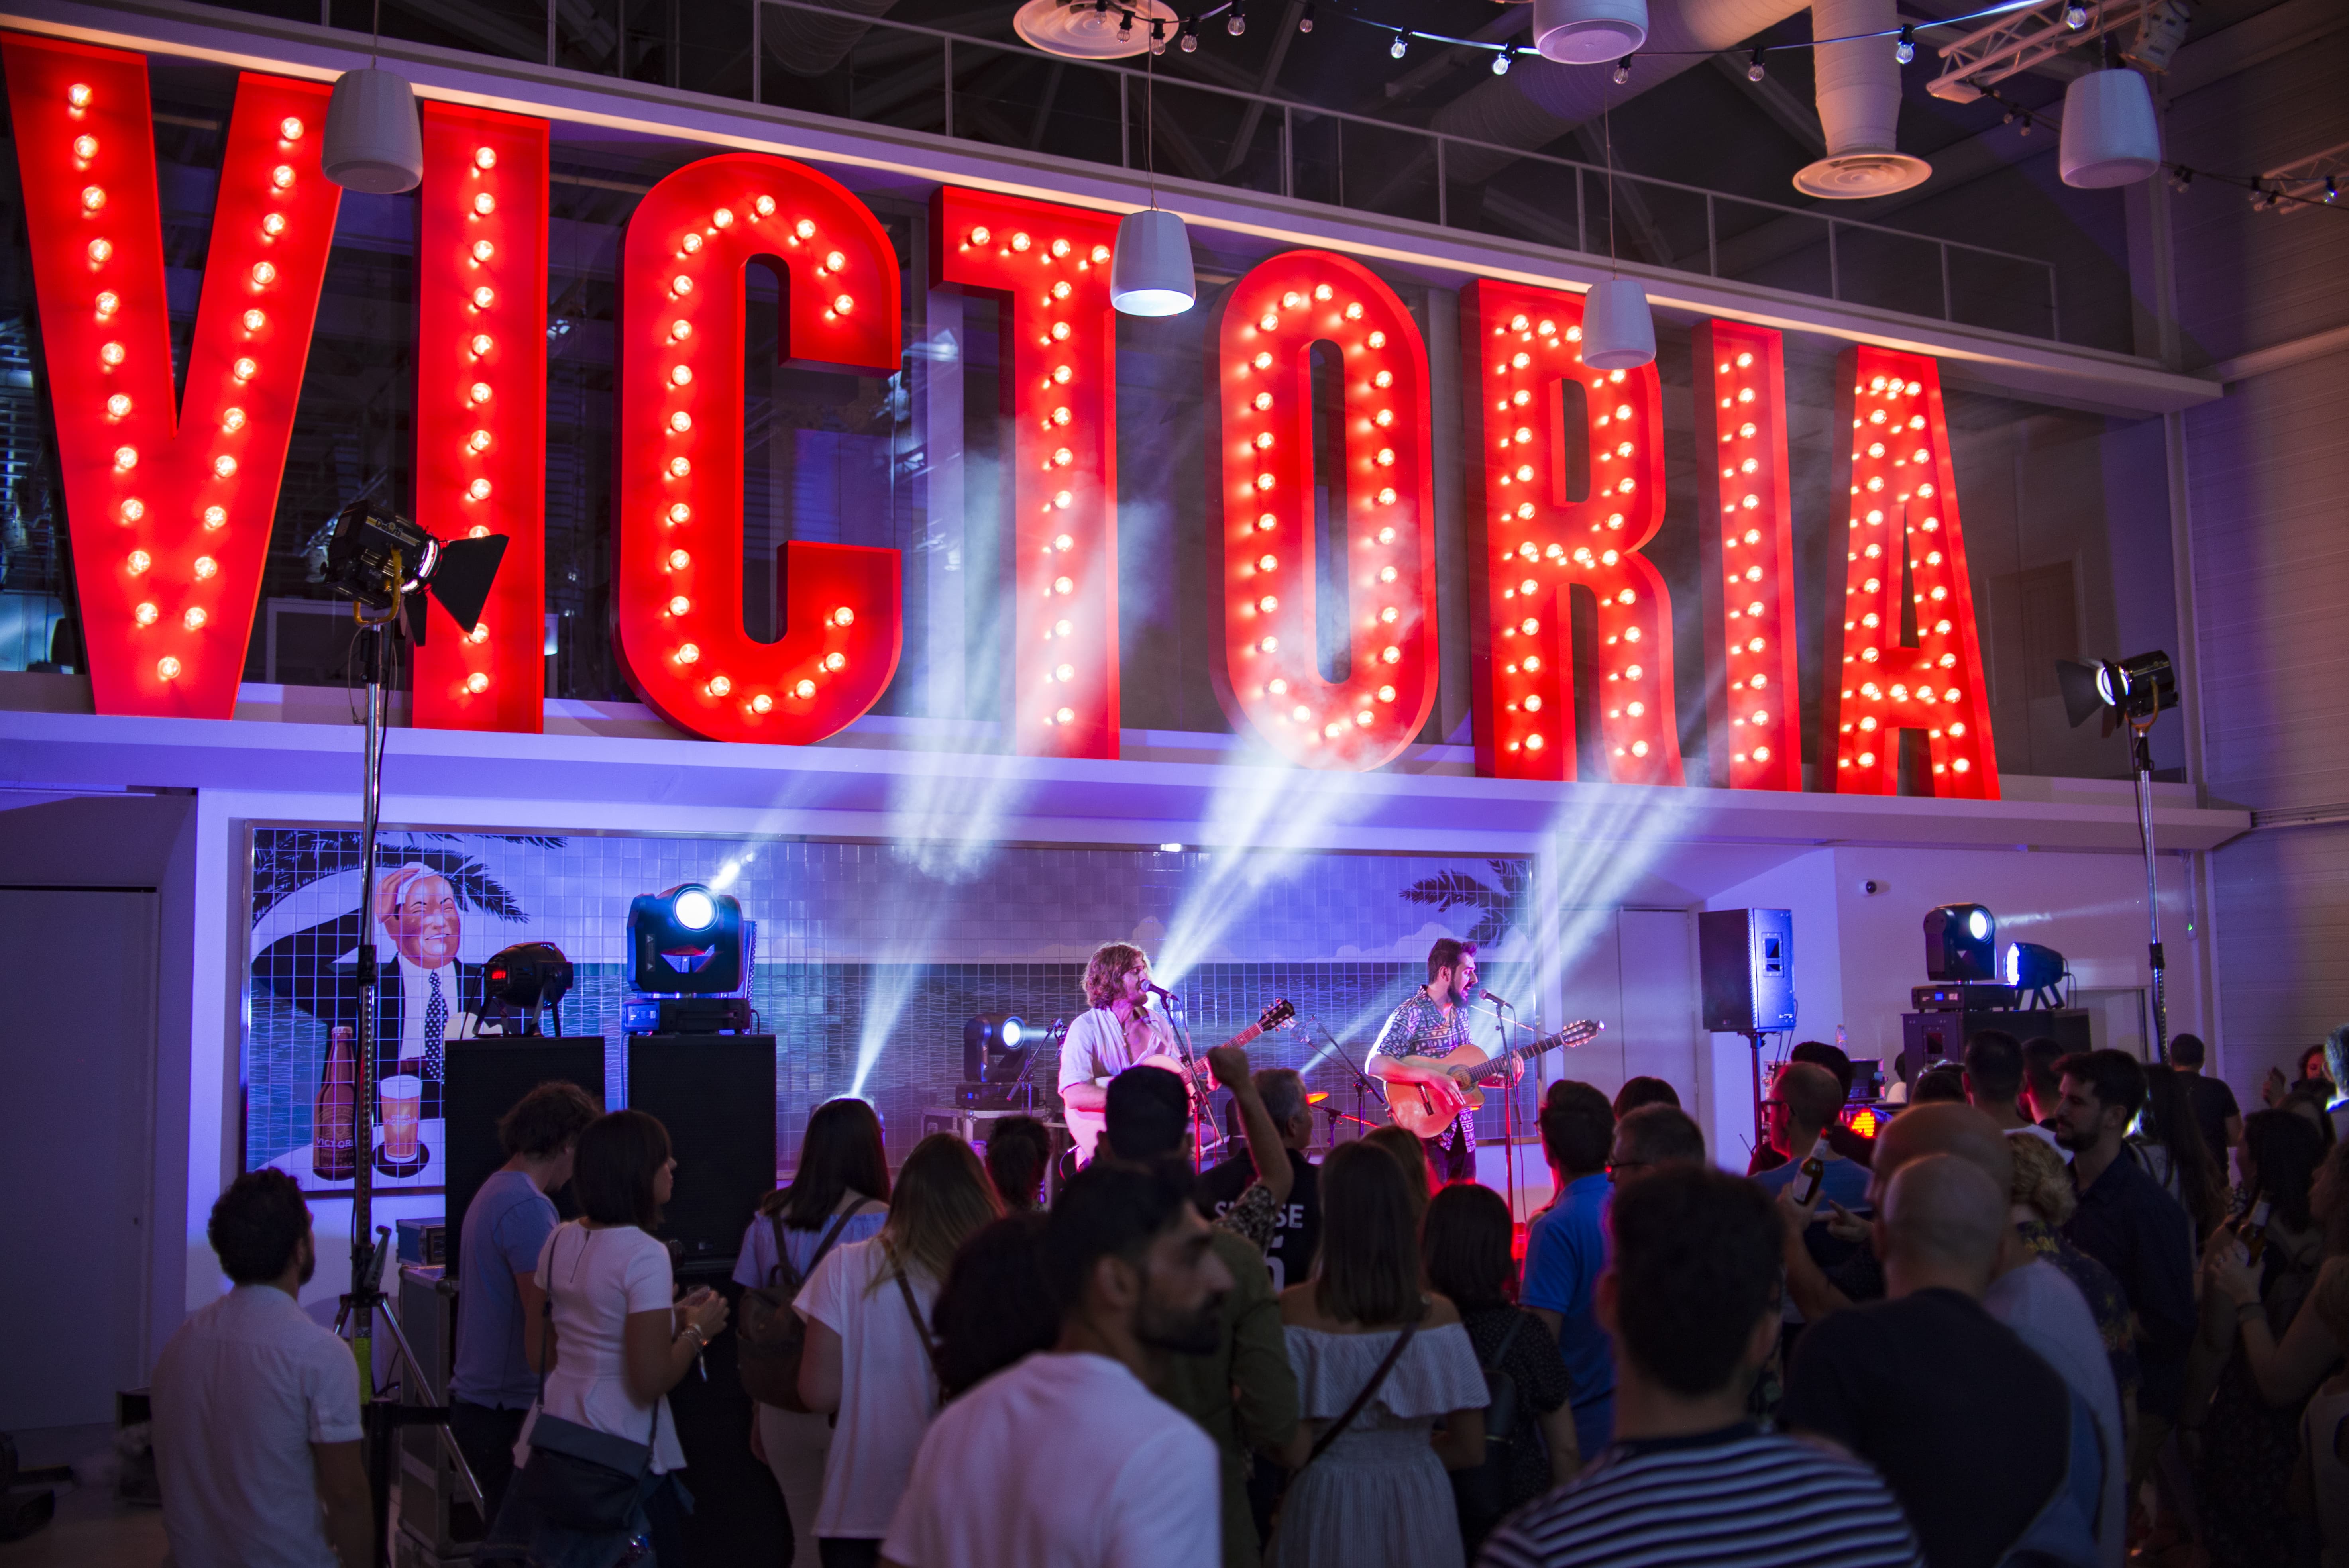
(1500, 1001)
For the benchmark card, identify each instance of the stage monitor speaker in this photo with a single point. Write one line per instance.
(715, 1095)
(486, 1077)
(1746, 960)
(1929, 1040)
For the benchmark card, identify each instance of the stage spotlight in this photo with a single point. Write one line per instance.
(2137, 689)
(380, 559)
(1960, 942)
(2034, 968)
(687, 940)
(520, 980)
(993, 1047)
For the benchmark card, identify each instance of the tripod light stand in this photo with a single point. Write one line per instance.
(385, 564)
(2134, 692)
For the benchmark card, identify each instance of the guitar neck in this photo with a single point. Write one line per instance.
(1568, 1036)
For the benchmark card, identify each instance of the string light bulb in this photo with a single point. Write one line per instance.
(1395, 50)
(1623, 70)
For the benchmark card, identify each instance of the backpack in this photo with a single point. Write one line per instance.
(770, 1337)
(1482, 1494)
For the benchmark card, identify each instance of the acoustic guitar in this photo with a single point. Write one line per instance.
(1425, 1110)
(1196, 1075)
(1086, 1126)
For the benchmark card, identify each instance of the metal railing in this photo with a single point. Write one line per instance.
(877, 71)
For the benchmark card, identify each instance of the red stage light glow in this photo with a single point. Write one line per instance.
(1752, 725)
(1530, 400)
(480, 408)
(677, 587)
(1267, 671)
(170, 501)
(1904, 514)
(1049, 266)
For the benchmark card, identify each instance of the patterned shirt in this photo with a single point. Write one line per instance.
(2106, 1301)
(1420, 1027)
(1254, 1216)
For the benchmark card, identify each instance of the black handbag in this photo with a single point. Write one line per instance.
(578, 1478)
(1482, 1494)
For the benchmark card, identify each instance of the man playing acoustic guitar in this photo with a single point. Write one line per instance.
(1117, 1031)
(1434, 1022)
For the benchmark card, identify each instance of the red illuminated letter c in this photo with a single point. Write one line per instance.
(677, 587)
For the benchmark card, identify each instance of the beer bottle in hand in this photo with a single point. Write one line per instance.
(332, 1156)
(2255, 1231)
(1815, 1170)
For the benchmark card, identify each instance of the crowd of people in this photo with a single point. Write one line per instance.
(2032, 1322)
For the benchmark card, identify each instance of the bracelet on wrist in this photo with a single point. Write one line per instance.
(700, 1340)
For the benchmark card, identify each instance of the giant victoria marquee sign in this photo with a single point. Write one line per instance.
(170, 506)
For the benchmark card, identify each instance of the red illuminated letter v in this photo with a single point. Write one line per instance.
(169, 509)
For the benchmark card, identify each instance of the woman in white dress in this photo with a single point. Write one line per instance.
(839, 1194)
(870, 1357)
(1376, 1495)
(619, 1341)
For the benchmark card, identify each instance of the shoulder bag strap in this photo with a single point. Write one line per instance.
(1336, 1429)
(913, 1310)
(782, 1257)
(1501, 1353)
(823, 1244)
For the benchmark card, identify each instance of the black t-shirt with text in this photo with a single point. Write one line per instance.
(1291, 1256)
(1970, 1428)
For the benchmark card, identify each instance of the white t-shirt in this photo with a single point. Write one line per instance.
(1061, 1461)
(241, 1392)
(887, 1391)
(2047, 1312)
(597, 1278)
(1095, 1050)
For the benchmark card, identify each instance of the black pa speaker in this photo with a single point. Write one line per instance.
(1745, 958)
(486, 1077)
(715, 1095)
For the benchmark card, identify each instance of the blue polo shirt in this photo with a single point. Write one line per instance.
(1842, 1182)
(1566, 1248)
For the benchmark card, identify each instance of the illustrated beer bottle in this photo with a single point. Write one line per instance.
(332, 1155)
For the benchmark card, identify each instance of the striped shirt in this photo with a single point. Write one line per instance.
(1739, 1498)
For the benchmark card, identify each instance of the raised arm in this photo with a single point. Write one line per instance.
(1230, 1066)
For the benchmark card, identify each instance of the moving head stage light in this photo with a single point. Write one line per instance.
(2032, 969)
(1960, 942)
(687, 940)
(994, 1047)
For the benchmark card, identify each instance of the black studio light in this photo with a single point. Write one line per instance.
(1960, 942)
(686, 942)
(2133, 690)
(994, 1048)
(383, 560)
(520, 980)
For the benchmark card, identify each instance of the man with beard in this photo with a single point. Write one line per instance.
(257, 1407)
(2126, 1223)
(1067, 1459)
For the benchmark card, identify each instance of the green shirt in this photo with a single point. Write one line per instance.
(1244, 1393)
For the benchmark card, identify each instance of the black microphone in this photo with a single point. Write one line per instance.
(1500, 1001)
(1160, 992)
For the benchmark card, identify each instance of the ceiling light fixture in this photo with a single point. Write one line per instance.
(1588, 32)
(1236, 22)
(1623, 70)
(1190, 34)
(1401, 43)
(2110, 136)
(1906, 49)
(374, 141)
(1150, 267)
(1754, 64)
(1617, 332)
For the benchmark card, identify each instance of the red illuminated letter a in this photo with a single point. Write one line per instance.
(1903, 532)
(677, 588)
(169, 505)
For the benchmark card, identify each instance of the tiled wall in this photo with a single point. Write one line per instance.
(872, 956)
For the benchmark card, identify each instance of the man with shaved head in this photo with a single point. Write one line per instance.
(1969, 1427)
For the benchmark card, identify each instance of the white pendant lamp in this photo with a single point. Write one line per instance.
(374, 142)
(1617, 332)
(1588, 32)
(1150, 270)
(2110, 134)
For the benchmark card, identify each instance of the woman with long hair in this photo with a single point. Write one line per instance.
(1410, 1153)
(1380, 1361)
(1465, 1244)
(2168, 1143)
(838, 1195)
(611, 1343)
(870, 1357)
(2252, 1307)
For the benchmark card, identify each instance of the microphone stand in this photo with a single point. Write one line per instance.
(1363, 1082)
(1026, 1081)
